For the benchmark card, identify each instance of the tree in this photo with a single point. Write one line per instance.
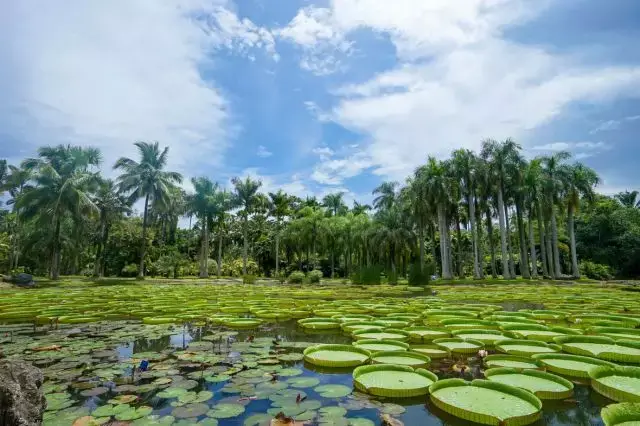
(628, 199)
(111, 204)
(385, 195)
(201, 203)
(64, 177)
(247, 198)
(532, 187)
(280, 209)
(16, 183)
(359, 209)
(223, 202)
(392, 233)
(579, 182)
(146, 179)
(334, 203)
(438, 186)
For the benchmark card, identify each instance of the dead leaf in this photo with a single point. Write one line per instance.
(388, 420)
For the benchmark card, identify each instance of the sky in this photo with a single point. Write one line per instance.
(321, 96)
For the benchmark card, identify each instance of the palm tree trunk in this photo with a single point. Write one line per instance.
(492, 247)
(204, 269)
(278, 252)
(434, 255)
(479, 246)
(543, 248)
(503, 235)
(333, 263)
(143, 245)
(98, 261)
(219, 252)
(524, 257)
(512, 266)
(444, 249)
(460, 262)
(55, 255)
(572, 241)
(532, 246)
(556, 252)
(549, 249)
(103, 258)
(245, 248)
(474, 236)
(421, 245)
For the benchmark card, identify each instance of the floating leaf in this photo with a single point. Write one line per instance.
(225, 411)
(333, 391)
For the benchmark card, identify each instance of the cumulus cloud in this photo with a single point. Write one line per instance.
(109, 73)
(263, 152)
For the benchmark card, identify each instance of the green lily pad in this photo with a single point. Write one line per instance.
(172, 392)
(225, 411)
(134, 413)
(333, 391)
(258, 420)
(190, 410)
(303, 382)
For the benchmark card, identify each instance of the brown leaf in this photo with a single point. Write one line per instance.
(388, 420)
(47, 348)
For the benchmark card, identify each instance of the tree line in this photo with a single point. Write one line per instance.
(486, 214)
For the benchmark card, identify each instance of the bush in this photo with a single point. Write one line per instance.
(130, 270)
(595, 271)
(249, 279)
(233, 267)
(296, 277)
(420, 276)
(367, 275)
(315, 276)
(392, 277)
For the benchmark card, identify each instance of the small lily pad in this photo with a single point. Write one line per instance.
(333, 391)
(190, 410)
(303, 382)
(225, 411)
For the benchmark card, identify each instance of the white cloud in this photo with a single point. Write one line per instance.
(263, 152)
(554, 146)
(579, 150)
(317, 112)
(606, 126)
(333, 171)
(321, 41)
(324, 152)
(293, 185)
(239, 35)
(109, 73)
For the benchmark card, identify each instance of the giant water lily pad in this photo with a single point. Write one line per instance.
(486, 402)
(543, 385)
(336, 355)
(373, 345)
(620, 384)
(510, 361)
(411, 359)
(525, 347)
(459, 345)
(602, 347)
(395, 381)
(570, 365)
(624, 414)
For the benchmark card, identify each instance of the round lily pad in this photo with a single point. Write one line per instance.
(303, 382)
(190, 410)
(336, 355)
(394, 381)
(525, 347)
(134, 413)
(621, 384)
(459, 345)
(543, 385)
(373, 345)
(602, 347)
(623, 414)
(225, 411)
(570, 365)
(486, 402)
(411, 359)
(510, 361)
(333, 391)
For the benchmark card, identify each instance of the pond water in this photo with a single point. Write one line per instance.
(197, 371)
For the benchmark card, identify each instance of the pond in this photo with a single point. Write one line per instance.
(185, 354)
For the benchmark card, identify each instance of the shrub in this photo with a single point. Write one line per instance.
(315, 276)
(296, 277)
(233, 267)
(367, 275)
(249, 279)
(595, 271)
(130, 270)
(282, 277)
(392, 277)
(420, 276)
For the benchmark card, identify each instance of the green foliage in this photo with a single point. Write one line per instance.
(595, 271)
(420, 276)
(367, 275)
(392, 277)
(233, 267)
(296, 277)
(314, 276)
(130, 270)
(249, 279)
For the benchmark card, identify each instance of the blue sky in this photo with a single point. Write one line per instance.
(318, 96)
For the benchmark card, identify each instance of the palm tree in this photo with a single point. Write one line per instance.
(201, 203)
(498, 155)
(280, 208)
(223, 202)
(247, 198)
(392, 232)
(146, 179)
(464, 167)
(359, 209)
(626, 198)
(16, 183)
(532, 185)
(385, 195)
(579, 183)
(110, 204)
(416, 201)
(553, 186)
(64, 178)
(517, 170)
(334, 203)
(438, 187)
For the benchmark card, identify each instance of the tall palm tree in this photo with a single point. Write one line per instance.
(16, 183)
(280, 204)
(247, 197)
(532, 186)
(111, 204)
(223, 202)
(359, 209)
(579, 182)
(64, 177)
(201, 203)
(626, 198)
(498, 155)
(437, 185)
(146, 179)
(334, 203)
(415, 200)
(517, 170)
(553, 186)
(464, 164)
(385, 195)
(393, 233)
